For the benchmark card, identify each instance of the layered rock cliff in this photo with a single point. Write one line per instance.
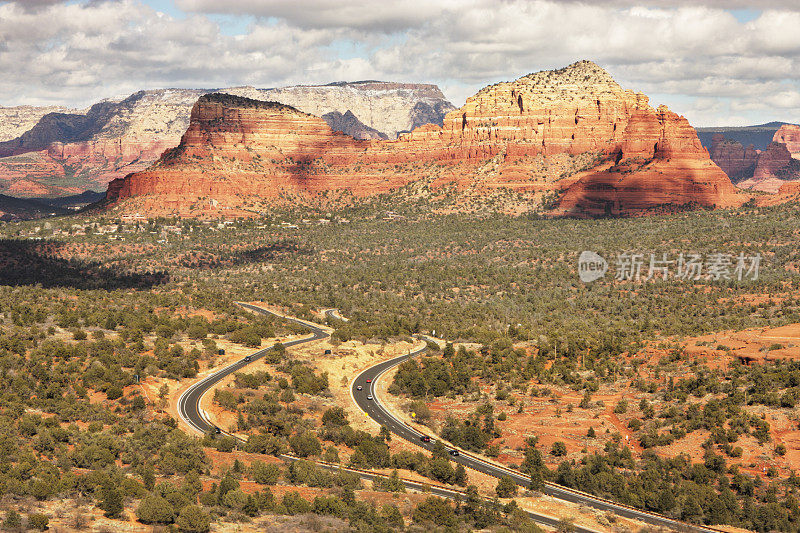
(63, 153)
(759, 170)
(661, 166)
(236, 148)
(789, 134)
(239, 152)
(738, 162)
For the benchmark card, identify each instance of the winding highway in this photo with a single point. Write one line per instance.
(189, 402)
(191, 413)
(367, 400)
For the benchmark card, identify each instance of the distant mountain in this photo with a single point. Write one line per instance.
(387, 107)
(26, 209)
(68, 153)
(759, 135)
(348, 123)
(65, 152)
(14, 121)
(614, 154)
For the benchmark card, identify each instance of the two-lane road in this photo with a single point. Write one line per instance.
(189, 402)
(190, 412)
(367, 380)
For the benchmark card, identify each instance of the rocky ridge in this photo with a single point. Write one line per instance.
(761, 170)
(65, 153)
(349, 124)
(238, 153)
(14, 121)
(387, 107)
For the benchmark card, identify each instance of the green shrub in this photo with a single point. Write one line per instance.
(155, 509)
(38, 521)
(506, 488)
(193, 519)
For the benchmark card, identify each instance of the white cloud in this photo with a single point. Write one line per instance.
(386, 16)
(697, 55)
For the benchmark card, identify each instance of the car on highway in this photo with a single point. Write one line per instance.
(425, 438)
(248, 358)
(359, 388)
(369, 397)
(369, 381)
(455, 453)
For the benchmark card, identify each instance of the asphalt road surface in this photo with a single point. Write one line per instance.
(373, 408)
(189, 402)
(189, 410)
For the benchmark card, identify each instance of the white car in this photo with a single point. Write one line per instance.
(369, 397)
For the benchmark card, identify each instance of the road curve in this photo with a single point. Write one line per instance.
(189, 402)
(372, 407)
(334, 314)
(190, 412)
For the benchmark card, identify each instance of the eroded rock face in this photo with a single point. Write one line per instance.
(387, 107)
(240, 151)
(662, 166)
(738, 162)
(114, 138)
(789, 134)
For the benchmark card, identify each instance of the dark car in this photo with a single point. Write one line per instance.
(248, 358)
(217, 430)
(425, 438)
(454, 453)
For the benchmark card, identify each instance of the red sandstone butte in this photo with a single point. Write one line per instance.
(774, 166)
(735, 160)
(789, 134)
(240, 152)
(662, 165)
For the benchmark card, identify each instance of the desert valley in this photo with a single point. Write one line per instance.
(290, 303)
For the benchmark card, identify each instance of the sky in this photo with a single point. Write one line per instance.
(719, 62)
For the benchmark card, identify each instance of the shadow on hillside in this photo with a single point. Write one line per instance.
(36, 262)
(270, 253)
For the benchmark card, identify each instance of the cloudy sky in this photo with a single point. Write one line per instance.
(719, 62)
